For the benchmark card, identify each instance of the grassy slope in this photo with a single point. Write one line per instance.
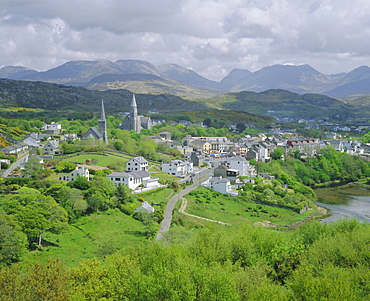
(233, 210)
(89, 236)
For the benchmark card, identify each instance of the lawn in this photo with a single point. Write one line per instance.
(216, 206)
(157, 198)
(91, 236)
(102, 160)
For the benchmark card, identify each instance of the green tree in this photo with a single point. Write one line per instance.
(277, 153)
(33, 168)
(39, 214)
(81, 183)
(64, 166)
(13, 242)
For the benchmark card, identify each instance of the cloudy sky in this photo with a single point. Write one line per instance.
(210, 37)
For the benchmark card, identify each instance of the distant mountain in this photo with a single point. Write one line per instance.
(136, 66)
(183, 75)
(299, 79)
(149, 83)
(174, 79)
(16, 72)
(236, 79)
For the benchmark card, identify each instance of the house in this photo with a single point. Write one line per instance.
(241, 164)
(52, 129)
(72, 176)
(133, 179)
(225, 172)
(70, 137)
(137, 164)
(51, 148)
(165, 135)
(218, 184)
(34, 139)
(178, 168)
(197, 159)
(145, 208)
(201, 146)
(15, 149)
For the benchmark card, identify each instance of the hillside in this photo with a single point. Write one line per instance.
(273, 102)
(59, 97)
(282, 103)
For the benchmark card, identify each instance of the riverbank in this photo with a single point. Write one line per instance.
(341, 194)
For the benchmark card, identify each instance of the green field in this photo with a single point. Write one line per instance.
(91, 236)
(102, 160)
(206, 203)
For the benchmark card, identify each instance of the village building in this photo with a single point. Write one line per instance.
(135, 122)
(78, 172)
(52, 129)
(134, 179)
(241, 164)
(177, 168)
(15, 149)
(101, 132)
(137, 164)
(219, 184)
(145, 208)
(51, 148)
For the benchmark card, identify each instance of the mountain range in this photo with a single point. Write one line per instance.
(144, 77)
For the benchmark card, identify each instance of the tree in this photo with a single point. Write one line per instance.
(64, 166)
(13, 242)
(80, 183)
(240, 127)
(207, 122)
(39, 214)
(277, 153)
(71, 199)
(118, 144)
(123, 194)
(33, 168)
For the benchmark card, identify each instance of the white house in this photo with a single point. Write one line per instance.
(145, 208)
(133, 179)
(219, 184)
(137, 164)
(79, 171)
(178, 168)
(52, 129)
(241, 164)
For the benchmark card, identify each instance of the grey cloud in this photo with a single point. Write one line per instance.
(211, 37)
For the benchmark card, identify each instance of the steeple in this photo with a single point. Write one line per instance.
(102, 123)
(102, 112)
(135, 124)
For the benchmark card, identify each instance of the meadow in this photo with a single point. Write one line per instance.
(209, 204)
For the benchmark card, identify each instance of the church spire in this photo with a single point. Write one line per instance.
(135, 121)
(102, 112)
(102, 123)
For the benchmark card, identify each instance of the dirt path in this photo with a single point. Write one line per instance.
(182, 210)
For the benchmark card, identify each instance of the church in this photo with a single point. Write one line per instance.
(135, 122)
(101, 132)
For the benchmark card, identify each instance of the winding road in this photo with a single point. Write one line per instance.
(167, 217)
